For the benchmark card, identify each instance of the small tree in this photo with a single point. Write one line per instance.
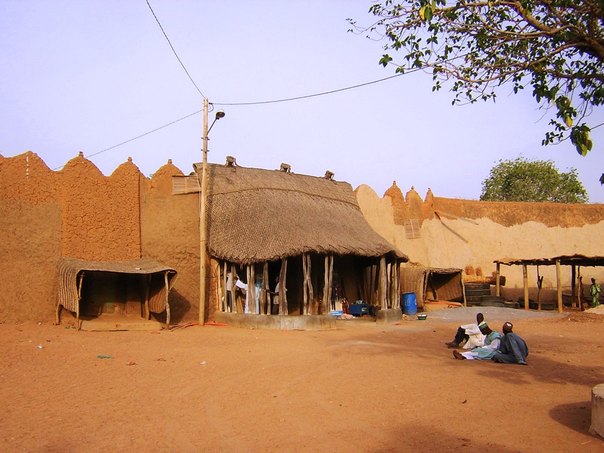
(539, 180)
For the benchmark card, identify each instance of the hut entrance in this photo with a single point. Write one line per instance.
(92, 289)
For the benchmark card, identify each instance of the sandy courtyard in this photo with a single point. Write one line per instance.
(361, 387)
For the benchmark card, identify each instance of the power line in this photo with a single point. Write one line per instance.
(174, 50)
(323, 93)
(140, 136)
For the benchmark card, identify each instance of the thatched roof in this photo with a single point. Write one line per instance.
(566, 260)
(257, 215)
(70, 268)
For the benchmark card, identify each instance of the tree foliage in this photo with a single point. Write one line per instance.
(556, 47)
(539, 180)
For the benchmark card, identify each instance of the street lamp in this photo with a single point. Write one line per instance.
(203, 225)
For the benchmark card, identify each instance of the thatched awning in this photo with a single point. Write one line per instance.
(446, 283)
(259, 215)
(565, 260)
(70, 269)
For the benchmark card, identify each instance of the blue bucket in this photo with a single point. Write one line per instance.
(409, 304)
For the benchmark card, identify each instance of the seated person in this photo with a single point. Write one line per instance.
(491, 344)
(512, 349)
(469, 334)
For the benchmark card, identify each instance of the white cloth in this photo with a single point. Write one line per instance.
(476, 339)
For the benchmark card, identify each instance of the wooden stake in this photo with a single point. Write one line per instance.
(311, 294)
(265, 299)
(525, 283)
(497, 279)
(283, 309)
(167, 286)
(225, 304)
(383, 283)
(559, 286)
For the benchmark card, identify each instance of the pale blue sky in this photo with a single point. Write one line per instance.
(84, 75)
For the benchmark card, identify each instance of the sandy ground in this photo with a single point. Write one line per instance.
(361, 387)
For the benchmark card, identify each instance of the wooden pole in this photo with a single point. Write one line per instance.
(251, 289)
(326, 301)
(580, 288)
(265, 299)
(311, 294)
(304, 309)
(79, 299)
(330, 280)
(498, 279)
(382, 283)
(167, 301)
(283, 309)
(203, 226)
(525, 283)
(225, 304)
(559, 286)
(573, 284)
(147, 287)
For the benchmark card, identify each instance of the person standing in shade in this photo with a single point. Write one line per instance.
(594, 291)
(513, 348)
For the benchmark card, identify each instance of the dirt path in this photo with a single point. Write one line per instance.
(362, 387)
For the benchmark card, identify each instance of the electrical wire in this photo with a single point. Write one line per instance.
(174, 50)
(139, 136)
(323, 93)
(296, 98)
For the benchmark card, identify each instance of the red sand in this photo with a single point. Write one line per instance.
(362, 387)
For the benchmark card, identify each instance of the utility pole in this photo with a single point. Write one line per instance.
(203, 223)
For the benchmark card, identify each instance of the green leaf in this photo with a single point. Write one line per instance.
(385, 60)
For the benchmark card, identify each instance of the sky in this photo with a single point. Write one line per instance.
(84, 76)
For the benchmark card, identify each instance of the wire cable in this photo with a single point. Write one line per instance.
(139, 136)
(245, 104)
(174, 50)
(323, 93)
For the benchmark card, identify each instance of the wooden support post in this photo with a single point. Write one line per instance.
(167, 302)
(283, 309)
(388, 285)
(311, 293)
(498, 279)
(304, 307)
(580, 289)
(525, 283)
(329, 279)
(80, 283)
(233, 291)
(265, 299)
(463, 291)
(250, 294)
(147, 313)
(326, 302)
(225, 304)
(398, 285)
(382, 284)
(559, 286)
(573, 284)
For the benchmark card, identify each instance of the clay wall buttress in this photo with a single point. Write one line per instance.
(44, 215)
(170, 235)
(30, 222)
(100, 215)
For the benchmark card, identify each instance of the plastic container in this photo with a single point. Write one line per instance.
(409, 304)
